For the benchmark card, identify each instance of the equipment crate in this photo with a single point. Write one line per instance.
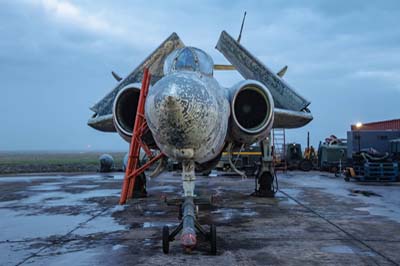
(377, 171)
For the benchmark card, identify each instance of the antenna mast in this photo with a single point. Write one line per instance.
(241, 28)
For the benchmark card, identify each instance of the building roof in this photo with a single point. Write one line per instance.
(393, 124)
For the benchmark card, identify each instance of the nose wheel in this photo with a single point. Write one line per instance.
(213, 239)
(165, 239)
(211, 236)
(189, 228)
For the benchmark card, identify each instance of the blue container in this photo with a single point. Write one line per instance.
(371, 171)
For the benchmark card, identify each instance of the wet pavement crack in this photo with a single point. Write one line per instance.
(63, 239)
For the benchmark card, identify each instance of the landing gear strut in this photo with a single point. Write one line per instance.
(266, 184)
(189, 224)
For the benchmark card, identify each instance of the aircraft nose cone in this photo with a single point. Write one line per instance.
(181, 111)
(170, 103)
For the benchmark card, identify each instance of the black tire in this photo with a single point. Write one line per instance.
(306, 165)
(213, 239)
(165, 239)
(180, 212)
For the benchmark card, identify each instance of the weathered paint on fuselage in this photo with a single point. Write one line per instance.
(188, 113)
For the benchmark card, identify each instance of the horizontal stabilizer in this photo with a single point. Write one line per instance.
(251, 68)
(154, 62)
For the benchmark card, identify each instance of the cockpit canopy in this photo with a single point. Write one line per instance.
(189, 59)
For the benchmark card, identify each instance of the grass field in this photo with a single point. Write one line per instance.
(39, 162)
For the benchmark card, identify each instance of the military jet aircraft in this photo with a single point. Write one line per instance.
(193, 119)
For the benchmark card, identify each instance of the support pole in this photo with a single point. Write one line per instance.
(188, 238)
(188, 178)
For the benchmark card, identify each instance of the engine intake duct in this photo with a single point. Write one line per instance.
(124, 113)
(252, 111)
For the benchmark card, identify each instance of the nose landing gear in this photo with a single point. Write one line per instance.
(189, 226)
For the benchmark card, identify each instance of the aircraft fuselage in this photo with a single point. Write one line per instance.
(187, 111)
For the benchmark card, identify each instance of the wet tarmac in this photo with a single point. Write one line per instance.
(315, 219)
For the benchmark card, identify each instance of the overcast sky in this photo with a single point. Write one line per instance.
(56, 57)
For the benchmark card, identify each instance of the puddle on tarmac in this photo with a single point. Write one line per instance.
(166, 188)
(293, 192)
(376, 210)
(52, 199)
(84, 257)
(34, 226)
(343, 249)
(41, 226)
(148, 242)
(100, 224)
(44, 225)
(153, 224)
(84, 186)
(229, 213)
(45, 187)
(340, 249)
(283, 199)
(29, 179)
(157, 224)
(152, 213)
(119, 176)
(10, 203)
(118, 246)
(26, 179)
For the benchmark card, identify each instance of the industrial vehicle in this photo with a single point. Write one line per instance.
(332, 154)
(244, 160)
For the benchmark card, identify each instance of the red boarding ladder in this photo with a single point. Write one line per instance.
(133, 168)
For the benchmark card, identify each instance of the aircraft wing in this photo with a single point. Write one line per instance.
(285, 118)
(103, 123)
(102, 119)
(252, 68)
(291, 108)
